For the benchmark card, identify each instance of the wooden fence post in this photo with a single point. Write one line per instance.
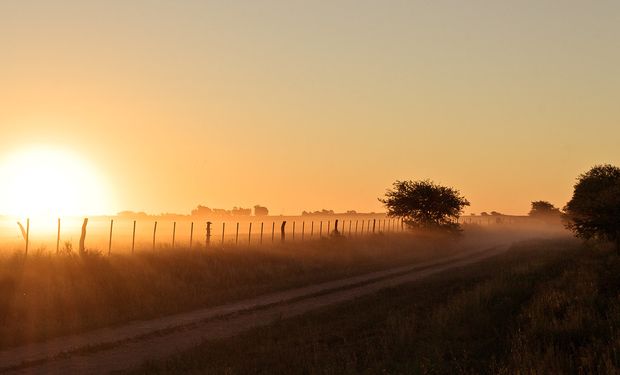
(223, 232)
(250, 234)
(282, 229)
(133, 237)
(83, 237)
(208, 235)
(303, 230)
(237, 235)
(261, 232)
(191, 234)
(356, 222)
(329, 224)
(58, 238)
(374, 224)
(350, 224)
(154, 233)
(27, 235)
(273, 231)
(311, 228)
(110, 240)
(293, 230)
(174, 233)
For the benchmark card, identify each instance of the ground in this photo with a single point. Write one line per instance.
(544, 307)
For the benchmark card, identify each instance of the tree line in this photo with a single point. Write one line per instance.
(593, 213)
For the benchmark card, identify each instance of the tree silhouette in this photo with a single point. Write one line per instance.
(260, 210)
(594, 210)
(424, 204)
(543, 208)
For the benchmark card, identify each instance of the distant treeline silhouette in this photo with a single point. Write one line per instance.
(202, 211)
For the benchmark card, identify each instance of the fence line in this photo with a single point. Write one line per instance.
(174, 235)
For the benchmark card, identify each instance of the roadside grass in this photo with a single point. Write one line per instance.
(545, 307)
(44, 296)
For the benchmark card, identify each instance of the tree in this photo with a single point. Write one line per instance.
(240, 211)
(594, 210)
(260, 210)
(201, 211)
(424, 204)
(544, 209)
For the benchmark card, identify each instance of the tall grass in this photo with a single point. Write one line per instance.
(546, 307)
(44, 296)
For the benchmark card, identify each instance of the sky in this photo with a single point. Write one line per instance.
(304, 105)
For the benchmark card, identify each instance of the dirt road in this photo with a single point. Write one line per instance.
(125, 347)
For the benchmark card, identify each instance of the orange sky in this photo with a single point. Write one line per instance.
(310, 105)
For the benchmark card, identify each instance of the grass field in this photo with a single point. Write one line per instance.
(545, 307)
(45, 295)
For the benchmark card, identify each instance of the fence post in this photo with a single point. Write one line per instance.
(223, 232)
(273, 231)
(208, 235)
(261, 232)
(110, 240)
(58, 238)
(356, 221)
(154, 232)
(282, 229)
(329, 226)
(250, 234)
(321, 229)
(27, 235)
(293, 230)
(237, 235)
(350, 224)
(191, 235)
(133, 237)
(174, 233)
(303, 230)
(362, 230)
(312, 229)
(335, 227)
(83, 236)
(374, 224)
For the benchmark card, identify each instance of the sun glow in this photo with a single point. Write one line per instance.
(44, 182)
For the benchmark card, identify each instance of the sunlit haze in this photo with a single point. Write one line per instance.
(159, 106)
(45, 183)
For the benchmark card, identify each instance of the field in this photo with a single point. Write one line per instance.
(45, 295)
(545, 307)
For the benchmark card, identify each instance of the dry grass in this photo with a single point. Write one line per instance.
(546, 307)
(45, 296)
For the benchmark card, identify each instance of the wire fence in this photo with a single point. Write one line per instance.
(109, 235)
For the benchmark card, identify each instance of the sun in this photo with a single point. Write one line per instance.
(43, 182)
